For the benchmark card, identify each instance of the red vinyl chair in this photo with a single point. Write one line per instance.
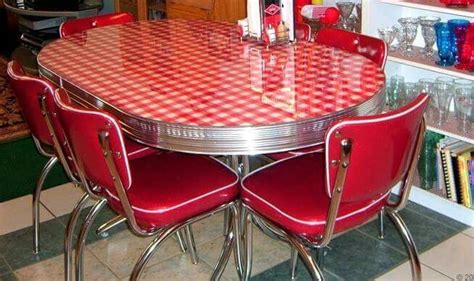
(80, 25)
(372, 48)
(321, 195)
(303, 32)
(30, 93)
(159, 194)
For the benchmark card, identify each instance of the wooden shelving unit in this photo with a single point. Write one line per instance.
(434, 6)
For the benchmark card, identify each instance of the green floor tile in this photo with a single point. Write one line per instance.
(8, 277)
(426, 232)
(4, 267)
(17, 247)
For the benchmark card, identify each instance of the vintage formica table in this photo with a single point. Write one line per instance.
(193, 86)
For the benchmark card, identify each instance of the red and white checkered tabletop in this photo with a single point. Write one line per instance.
(199, 73)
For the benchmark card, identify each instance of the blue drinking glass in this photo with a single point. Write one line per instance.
(453, 25)
(444, 43)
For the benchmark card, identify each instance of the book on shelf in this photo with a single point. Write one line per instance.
(464, 183)
(448, 174)
(455, 161)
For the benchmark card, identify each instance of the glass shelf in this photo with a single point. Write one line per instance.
(428, 64)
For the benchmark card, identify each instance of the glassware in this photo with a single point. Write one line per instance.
(467, 114)
(466, 51)
(458, 29)
(346, 10)
(426, 85)
(410, 30)
(359, 17)
(411, 91)
(426, 169)
(444, 43)
(463, 93)
(400, 36)
(429, 34)
(443, 88)
(396, 91)
(388, 35)
(352, 23)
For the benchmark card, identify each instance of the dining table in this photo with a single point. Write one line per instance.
(196, 86)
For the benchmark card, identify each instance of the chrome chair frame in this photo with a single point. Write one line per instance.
(162, 234)
(37, 192)
(74, 216)
(303, 245)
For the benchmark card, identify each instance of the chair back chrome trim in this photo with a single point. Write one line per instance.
(57, 145)
(122, 194)
(346, 149)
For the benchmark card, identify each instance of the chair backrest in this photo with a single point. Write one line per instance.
(88, 132)
(382, 150)
(28, 91)
(372, 48)
(80, 25)
(303, 32)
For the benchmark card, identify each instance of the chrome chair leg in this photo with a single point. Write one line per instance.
(68, 236)
(81, 240)
(409, 244)
(226, 222)
(238, 246)
(191, 244)
(308, 260)
(294, 262)
(247, 232)
(229, 243)
(36, 202)
(181, 235)
(381, 216)
(320, 257)
(150, 250)
(101, 231)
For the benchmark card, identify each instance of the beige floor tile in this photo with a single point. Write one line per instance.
(208, 229)
(177, 268)
(121, 251)
(266, 254)
(469, 232)
(403, 272)
(53, 269)
(16, 214)
(61, 199)
(452, 257)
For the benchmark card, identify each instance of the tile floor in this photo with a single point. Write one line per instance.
(446, 247)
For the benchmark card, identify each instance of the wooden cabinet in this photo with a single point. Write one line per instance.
(219, 10)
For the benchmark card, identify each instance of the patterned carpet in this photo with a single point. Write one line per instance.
(12, 125)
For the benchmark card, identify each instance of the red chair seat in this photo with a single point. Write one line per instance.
(291, 193)
(136, 150)
(169, 188)
(289, 154)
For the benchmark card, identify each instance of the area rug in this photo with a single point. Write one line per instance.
(12, 124)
